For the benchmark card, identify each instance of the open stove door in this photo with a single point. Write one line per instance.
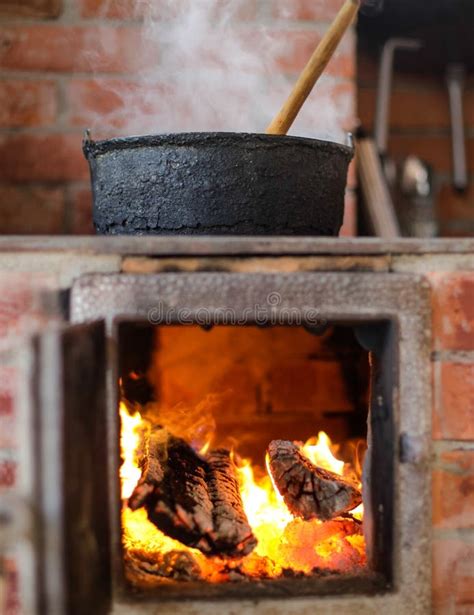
(63, 541)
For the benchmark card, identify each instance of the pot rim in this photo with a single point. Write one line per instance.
(93, 148)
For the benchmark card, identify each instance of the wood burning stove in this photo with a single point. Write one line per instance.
(77, 377)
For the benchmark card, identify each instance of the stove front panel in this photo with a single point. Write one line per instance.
(401, 399)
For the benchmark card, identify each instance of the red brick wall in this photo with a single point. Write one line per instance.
(453, 435)
(62, 63)
(420, 125)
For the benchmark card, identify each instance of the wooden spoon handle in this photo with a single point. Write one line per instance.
(312, 71)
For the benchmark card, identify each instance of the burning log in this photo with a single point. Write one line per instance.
(193, 499)
(308, 490)
(230, 521)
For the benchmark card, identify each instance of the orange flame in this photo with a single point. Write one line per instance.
(283, 542)
(318, 451)
(129, 442)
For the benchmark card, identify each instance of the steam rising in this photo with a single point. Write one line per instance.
(205, 68)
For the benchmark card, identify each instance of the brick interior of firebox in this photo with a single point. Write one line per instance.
(269, 382)
(240, 388)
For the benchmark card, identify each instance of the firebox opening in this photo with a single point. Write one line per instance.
(211, 403)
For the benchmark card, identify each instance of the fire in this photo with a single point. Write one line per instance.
(318, 450)
(129, 443)
(284, 543)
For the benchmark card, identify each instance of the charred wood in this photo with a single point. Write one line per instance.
(232, 532)
(173, 490)
(153, 458)
(193, 499)
(308, 490)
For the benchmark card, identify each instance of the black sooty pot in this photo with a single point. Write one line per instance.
(218, 184)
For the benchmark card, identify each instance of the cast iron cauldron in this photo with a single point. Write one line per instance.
(217, 184)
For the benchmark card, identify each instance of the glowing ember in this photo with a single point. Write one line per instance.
(284, 543)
